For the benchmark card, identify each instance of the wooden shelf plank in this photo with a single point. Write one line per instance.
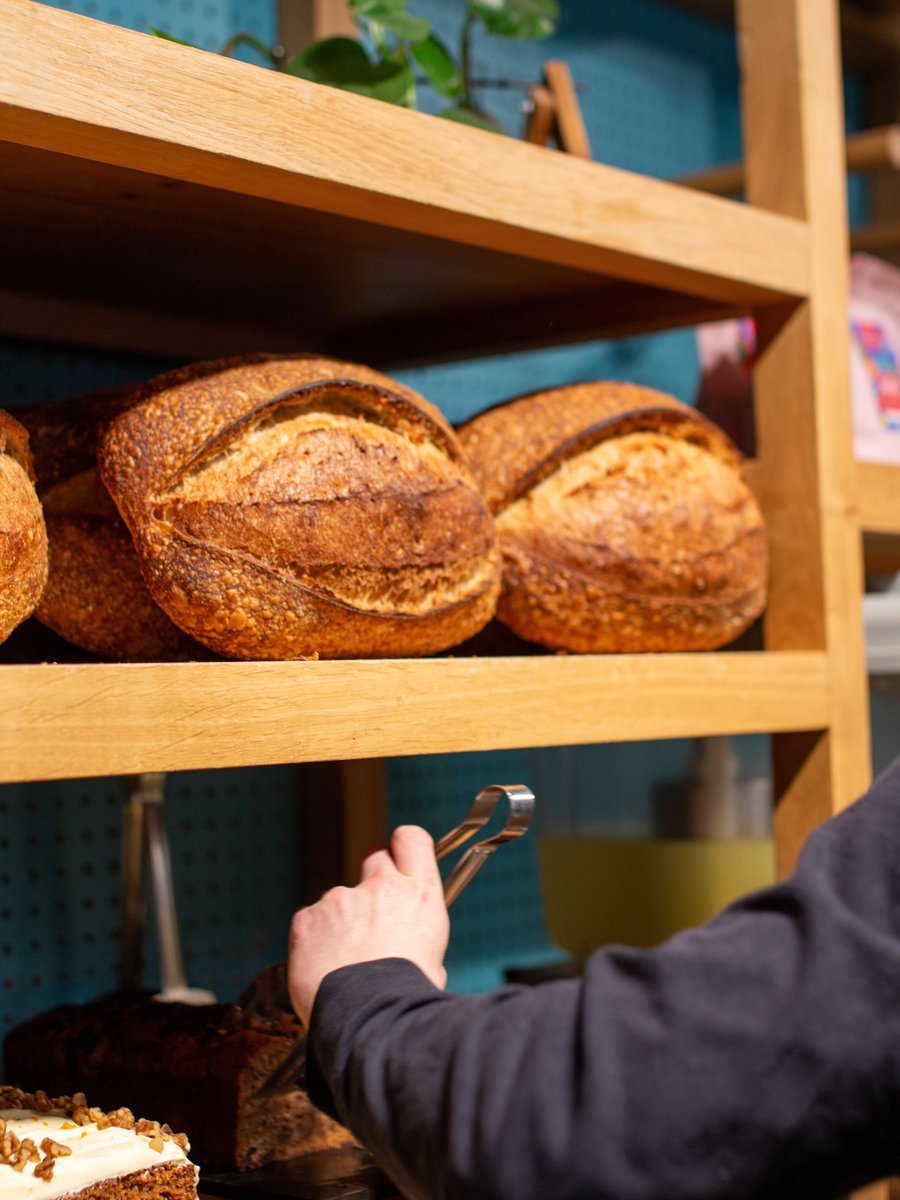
(878, 492)
(337, 219)
(62, 721)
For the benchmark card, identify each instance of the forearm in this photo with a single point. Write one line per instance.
(756, 1056)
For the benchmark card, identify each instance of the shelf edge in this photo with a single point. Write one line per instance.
(67, 721)
(69, 84)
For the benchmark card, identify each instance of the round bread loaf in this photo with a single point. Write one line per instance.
(624, 522)
(95, 595)
(23, 535)
(287, 507)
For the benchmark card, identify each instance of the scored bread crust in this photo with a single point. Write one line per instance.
(624, 522)
(287, 507)
(23, 534)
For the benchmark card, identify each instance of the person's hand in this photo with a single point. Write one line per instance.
(397, 910)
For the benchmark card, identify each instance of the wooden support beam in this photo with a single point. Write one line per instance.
(794, 134)
(303, 21)
(869, 150)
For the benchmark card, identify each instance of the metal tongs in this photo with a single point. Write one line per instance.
(267, 998)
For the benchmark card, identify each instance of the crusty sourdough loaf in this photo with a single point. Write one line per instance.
(23, 535)
(287, 507)
(624, 522)
(95, 596)
(191, 1065)
(63, 434)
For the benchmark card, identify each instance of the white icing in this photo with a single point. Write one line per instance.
(97, 1154)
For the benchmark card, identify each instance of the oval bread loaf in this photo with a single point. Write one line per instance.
(624, 522)
(95, 596)
(23, 535)
(287, 507)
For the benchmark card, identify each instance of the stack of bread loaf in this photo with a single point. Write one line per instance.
(299, 506)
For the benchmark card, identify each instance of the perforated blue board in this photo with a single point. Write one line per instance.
(659, 94)
(236, 885)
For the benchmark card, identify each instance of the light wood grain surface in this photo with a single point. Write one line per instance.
(878, 487)
(59, 721)
(80, 88)
(793, 131)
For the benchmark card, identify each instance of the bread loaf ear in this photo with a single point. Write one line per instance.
(624, 522)
(23, 535)
(293, 507)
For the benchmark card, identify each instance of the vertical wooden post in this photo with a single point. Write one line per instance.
(303, 21)
(342, 817)
(794, 153)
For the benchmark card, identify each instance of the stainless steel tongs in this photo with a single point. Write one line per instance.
(268, 998)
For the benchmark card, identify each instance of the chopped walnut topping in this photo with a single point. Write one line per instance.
(55, 1149)
(18, 1153)
(44, 1169)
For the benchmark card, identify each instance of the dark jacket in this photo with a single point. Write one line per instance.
(755, 1056)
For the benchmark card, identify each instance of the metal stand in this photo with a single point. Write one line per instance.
(145, 839)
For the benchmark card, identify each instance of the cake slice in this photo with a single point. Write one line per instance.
(54, 1148)
(197, 1067)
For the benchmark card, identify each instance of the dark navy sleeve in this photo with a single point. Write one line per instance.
(755, 1056)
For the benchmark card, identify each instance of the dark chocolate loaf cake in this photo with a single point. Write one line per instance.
(194, 1067)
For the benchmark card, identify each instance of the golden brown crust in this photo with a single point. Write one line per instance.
(514, 445)
(291, 507)
(95, 596)
(63, 434)
(23, 535)
(635, 533)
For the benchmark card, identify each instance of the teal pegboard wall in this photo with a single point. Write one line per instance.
(205, 23)
(35, 373)
(235, 864)
(659, 96)
(497, 922)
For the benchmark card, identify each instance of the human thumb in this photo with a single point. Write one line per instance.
(412, 850)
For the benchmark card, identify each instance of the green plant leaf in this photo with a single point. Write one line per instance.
(168, 37)
(518, 18)
(344, 63)
(472, 116)
(393, 16)
(440, 69)
(332, 60)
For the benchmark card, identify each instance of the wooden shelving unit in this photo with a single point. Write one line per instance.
(157, 198)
